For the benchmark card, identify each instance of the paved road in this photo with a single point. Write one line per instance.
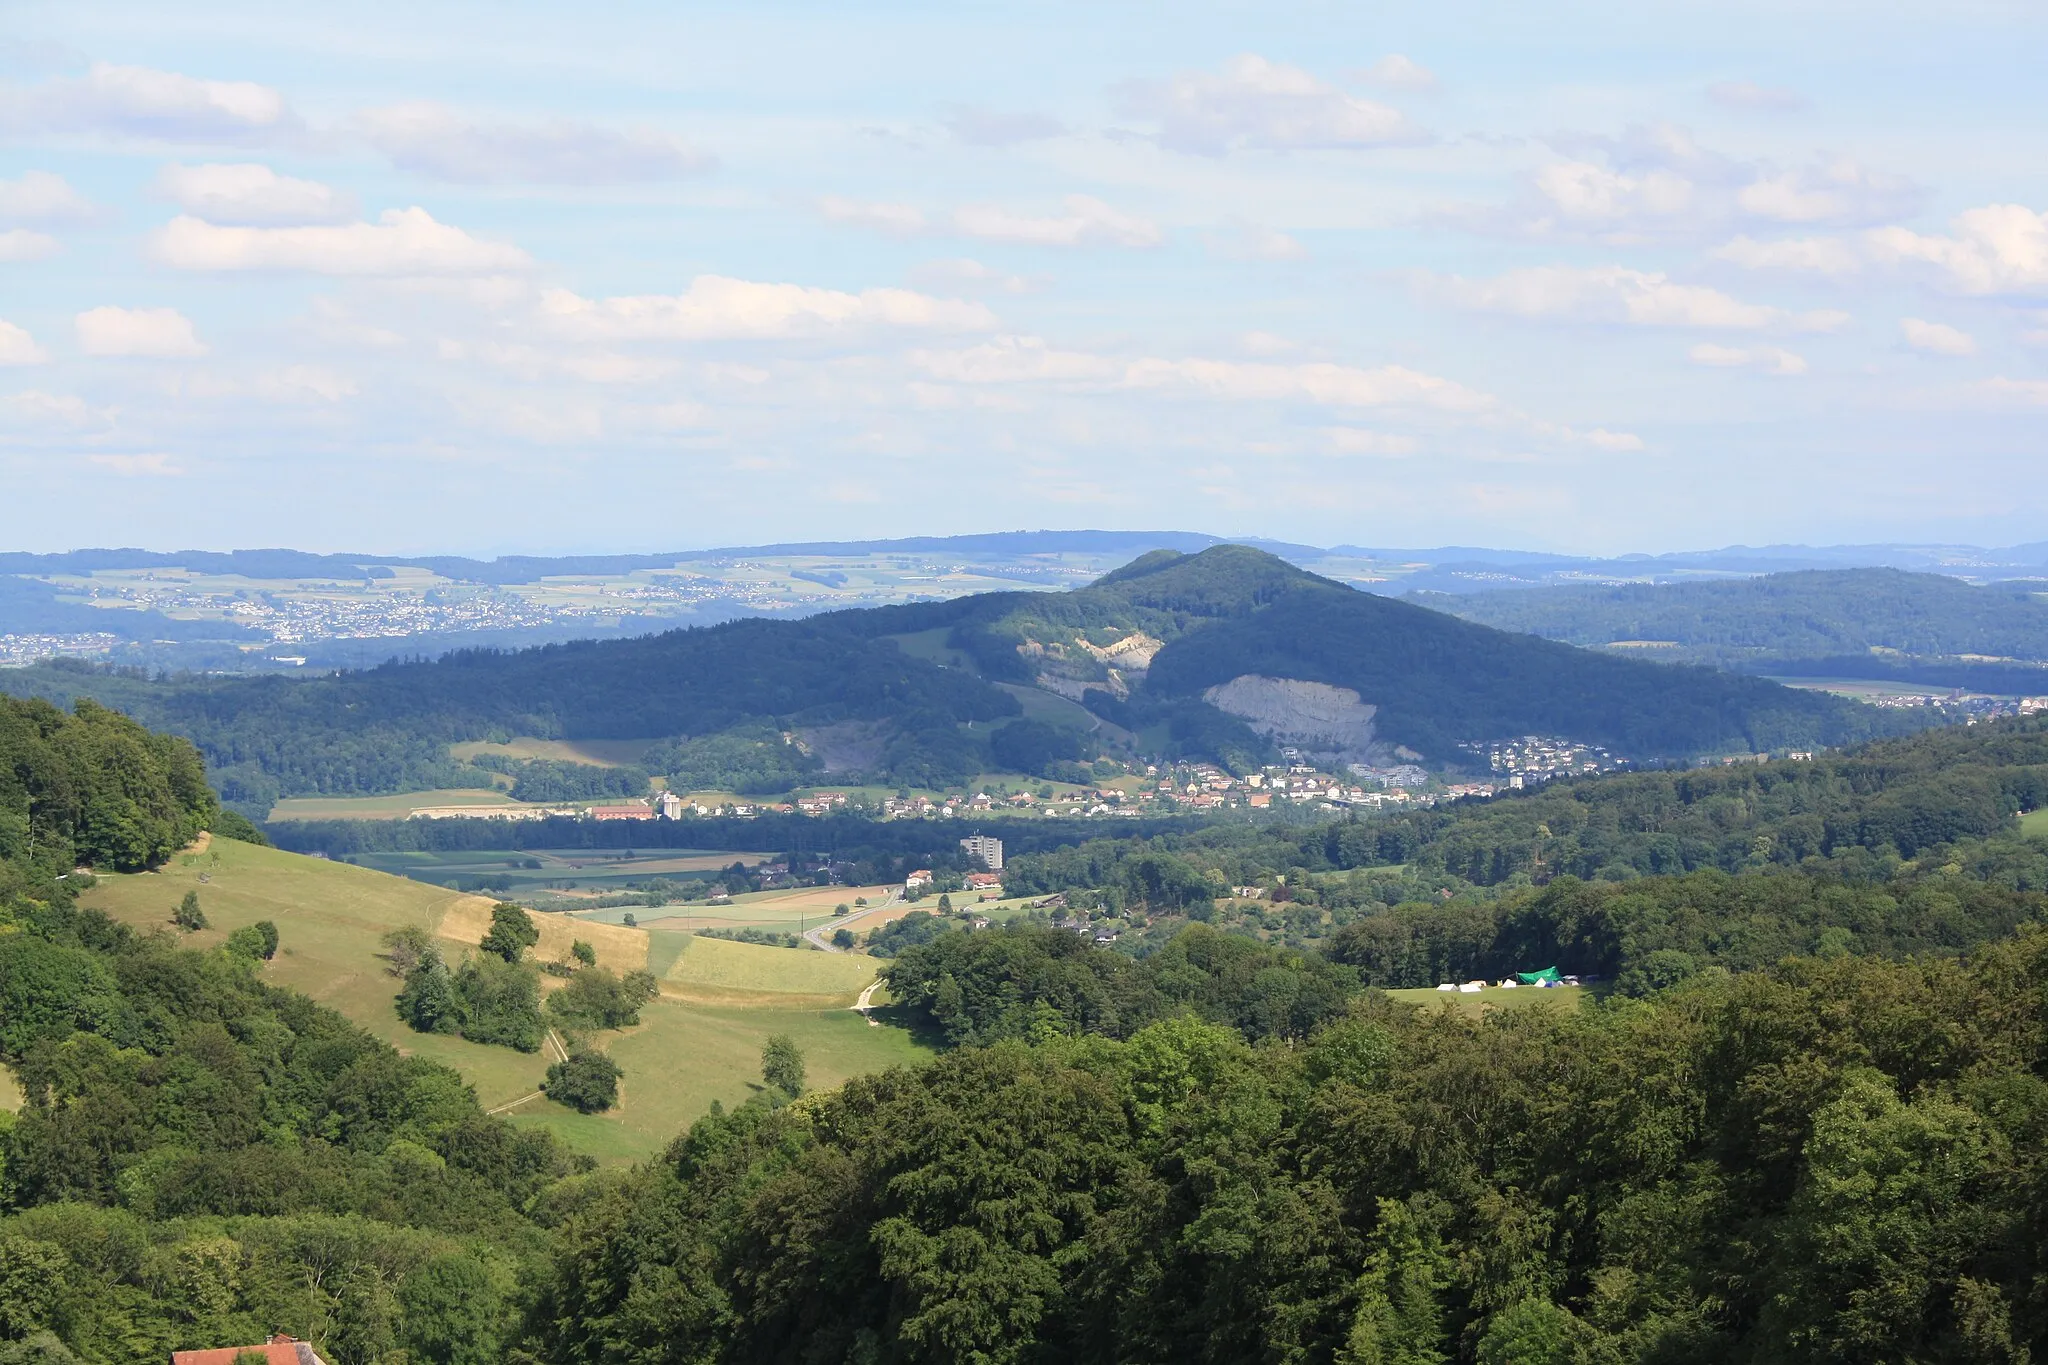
(822, 935)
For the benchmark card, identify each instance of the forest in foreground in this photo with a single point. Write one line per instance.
(1819, 1138)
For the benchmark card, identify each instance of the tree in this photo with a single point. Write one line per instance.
(512, 932)
(782, 1065)
(588, 1082)
(427, 1004)
(188, 915)
(257, 942)
(452, 1312)
(945, 904)
(583, 953)
(406, 947)
(842, 938)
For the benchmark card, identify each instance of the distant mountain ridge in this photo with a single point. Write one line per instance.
(1842, 614)
(1452, 568)
(1215, 654)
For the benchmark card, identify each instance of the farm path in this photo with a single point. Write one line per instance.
(821, 937)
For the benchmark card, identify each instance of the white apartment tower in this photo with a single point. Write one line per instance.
(990, 851)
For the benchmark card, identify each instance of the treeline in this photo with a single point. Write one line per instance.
(94, 787)
(1832, 1160)
(552, 779)
(388, 728)
(1038, 983)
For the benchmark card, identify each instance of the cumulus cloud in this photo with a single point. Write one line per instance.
(898, 220)
(1396, 72)
(402, 242)
(1748, 95)
(19, 244)
(1937, 337)
(155, 333)
(2022, 392)
(716, 308)
(1657, 182)
(1999, 249)
(1253, 103)
(1252, 242)
(1358, 441)
(17, 347)
(35, 408)
(154, 465)
(963, 275)
(1086, 222)
(1618, 295)
(433, 140)
(251, 195)
(1770, 359)
(994, 128)
(135, 101)
(40, 197)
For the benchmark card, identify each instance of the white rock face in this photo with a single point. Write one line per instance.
(1329, 722)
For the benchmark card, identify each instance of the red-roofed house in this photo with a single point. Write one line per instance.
(279, 1350)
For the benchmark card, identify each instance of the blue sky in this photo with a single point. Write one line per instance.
(523, 277)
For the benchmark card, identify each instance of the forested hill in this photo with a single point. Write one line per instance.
(1811, 615)
(919, 682)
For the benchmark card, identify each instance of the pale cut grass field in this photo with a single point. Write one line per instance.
(384, 807)
(1494, 998)
(10, 1091)
(604, 753)
(702, 1041)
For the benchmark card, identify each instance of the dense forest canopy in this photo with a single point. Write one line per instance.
(1818, 1138)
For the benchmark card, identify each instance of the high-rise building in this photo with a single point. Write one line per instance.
(990, 851)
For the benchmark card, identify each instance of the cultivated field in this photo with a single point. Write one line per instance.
(701, 1041)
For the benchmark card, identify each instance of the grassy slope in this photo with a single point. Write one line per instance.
(605, 753)
(10, 1091)
(384, 807)
(2035, 823)
(684, 1055)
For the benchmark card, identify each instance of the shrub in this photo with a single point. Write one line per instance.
(588, 1082)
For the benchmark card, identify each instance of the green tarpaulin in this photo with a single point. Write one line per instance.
(1531, 978)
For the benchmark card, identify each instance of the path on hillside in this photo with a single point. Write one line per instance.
(820, 937)
(866, 1003)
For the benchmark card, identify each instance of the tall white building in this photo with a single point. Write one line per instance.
(990, 851)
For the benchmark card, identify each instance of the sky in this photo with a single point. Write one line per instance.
(520, 277)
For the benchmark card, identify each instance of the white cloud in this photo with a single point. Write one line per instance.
(1600, 438)
(135, 101)
(1254, 103)
(1993, 250)
(1838, 191)
(138, 466)
(1252, 242)
(40, 197)
(716, 308)
(1087, 222)
(1396, 72)
(1014, 360)
(1806, 255)
(1751, 96)
(993, 128)
(17, 347)
(156, 333)
(251, 195)
(1358, 441)
(898, 220)
(1997, 249)
(1656, 181)
(1769, 359)
(35, 408)
(2025, 392)
(401, 242)
(1938, 337)
(433, 140)
(965, 276)
(1616, 294)
(19, 244)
